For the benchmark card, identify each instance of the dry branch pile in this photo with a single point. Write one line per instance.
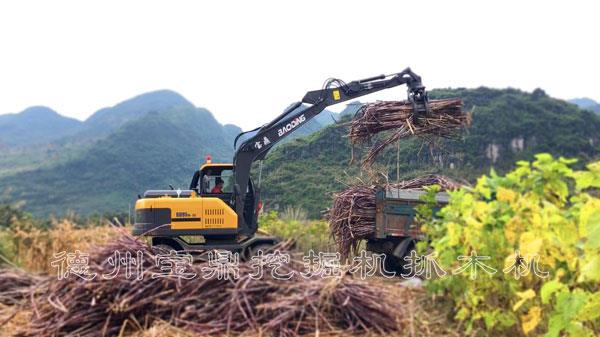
(443, 121)
(210, 306)
(17, 285)
(352, 217)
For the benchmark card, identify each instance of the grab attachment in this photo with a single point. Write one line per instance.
(420, 103)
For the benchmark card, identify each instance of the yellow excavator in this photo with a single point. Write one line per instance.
(222, 204)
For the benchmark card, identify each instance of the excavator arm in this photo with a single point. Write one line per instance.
(334, 91)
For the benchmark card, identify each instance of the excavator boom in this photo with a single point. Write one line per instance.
(335, 91)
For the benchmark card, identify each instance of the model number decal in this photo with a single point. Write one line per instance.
(184, 215)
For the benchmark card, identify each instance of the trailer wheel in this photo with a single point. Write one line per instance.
(406, 269)
(392, 264)
(395, 262)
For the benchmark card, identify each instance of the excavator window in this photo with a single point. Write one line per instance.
(215, 181)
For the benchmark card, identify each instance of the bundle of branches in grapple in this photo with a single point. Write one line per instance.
(352, 217)
(210, 306)
(17, 285)
(444, 119)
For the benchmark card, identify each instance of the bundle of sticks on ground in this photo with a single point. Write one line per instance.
(352, 216)
(210, 306)
(444, 119)
(17, 285)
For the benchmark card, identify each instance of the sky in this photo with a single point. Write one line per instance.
(246, 61)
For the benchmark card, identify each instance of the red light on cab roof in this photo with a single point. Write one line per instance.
(208, 159)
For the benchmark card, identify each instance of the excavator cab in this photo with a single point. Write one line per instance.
(218, 181)
(214, 181)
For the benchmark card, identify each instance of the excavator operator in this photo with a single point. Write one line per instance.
(218, 189)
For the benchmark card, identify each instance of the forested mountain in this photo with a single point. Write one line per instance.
(508, 125)
(149, 141)
(34, 125)
(587, 104)
(109, 119)
(156, 150)
(41, 125)
(41, 137)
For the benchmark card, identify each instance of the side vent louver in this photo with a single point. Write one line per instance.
(214, 211)
(214, 216)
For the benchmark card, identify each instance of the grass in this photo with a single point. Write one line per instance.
(33, 248)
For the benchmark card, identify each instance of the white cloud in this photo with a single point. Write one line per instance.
(246, 61)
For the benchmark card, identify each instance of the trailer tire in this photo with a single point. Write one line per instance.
(391, 265)
(395, 262)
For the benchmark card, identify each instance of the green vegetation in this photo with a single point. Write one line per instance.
(307, 234)
(38, 137)
(541, 228)
(34, 126)
(508, 125)
(10, 214)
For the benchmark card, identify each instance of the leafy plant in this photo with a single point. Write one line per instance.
(541, 227)
(313, 234)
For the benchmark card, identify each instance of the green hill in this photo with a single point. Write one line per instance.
(508, 125)
(153, 151)
(33, 138)
(34, 125)
(39, 137)
(587, 104)
(106, 120)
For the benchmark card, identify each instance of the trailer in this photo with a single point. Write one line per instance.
(396, 231)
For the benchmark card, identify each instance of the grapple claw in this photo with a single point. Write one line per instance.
(418, 98)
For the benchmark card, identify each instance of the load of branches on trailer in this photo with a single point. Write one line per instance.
(352, 216)
(443, 120)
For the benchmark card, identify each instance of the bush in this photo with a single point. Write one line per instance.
(11, 213)
(308, 234)
(543, 214)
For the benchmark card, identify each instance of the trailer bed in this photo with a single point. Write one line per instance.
(395, 211)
